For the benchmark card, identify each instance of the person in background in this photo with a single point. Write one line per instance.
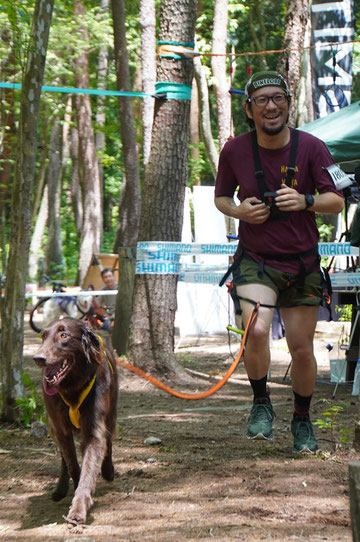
(281, 181)
(108, 278)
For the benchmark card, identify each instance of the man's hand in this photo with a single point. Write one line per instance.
(253, 210)
(288, 199)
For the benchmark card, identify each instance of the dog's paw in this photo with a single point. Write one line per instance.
(60, 491)
(78, 509)
(107, 471)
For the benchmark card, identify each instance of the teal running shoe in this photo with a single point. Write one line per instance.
(260, 421)
(304, 438)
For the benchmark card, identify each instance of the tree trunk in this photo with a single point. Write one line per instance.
(218, 64)
(151, 341)
(41, 172)
(53, 252)
(92, 219)
(194, 132)
(297, 16)
(7, 140)
(76, 182)
(129, 211)
(37, 236)
(148, 70)
(354, 490)
(12, 336)
(211, 151)
(103, 62)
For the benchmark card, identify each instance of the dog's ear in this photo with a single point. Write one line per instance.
(91, 345)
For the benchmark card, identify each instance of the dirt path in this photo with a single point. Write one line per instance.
(204, 480)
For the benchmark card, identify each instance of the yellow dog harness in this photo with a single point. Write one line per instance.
(74, 412)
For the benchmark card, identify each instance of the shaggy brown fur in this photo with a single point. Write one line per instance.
(70, 356)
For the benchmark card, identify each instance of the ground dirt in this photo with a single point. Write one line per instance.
(204, 480)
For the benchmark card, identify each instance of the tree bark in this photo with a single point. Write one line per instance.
(151, 343)
(354, 487)
(92, 218)
(130, 203)
(205, 123)
(7, 140)
(148, 70)
(126, 265)
(76, 181)
(194, 132)
(218, 64)
(12, 336)
(297, 17)
(53, 252)
(37, 236)
(103, 62)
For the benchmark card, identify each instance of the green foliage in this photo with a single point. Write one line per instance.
(329, 423)
(345, 311)
(30, 406)
(325, 231)
(199, 167)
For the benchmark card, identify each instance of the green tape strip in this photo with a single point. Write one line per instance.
(71, 90)
(188, 44)
(174, 91)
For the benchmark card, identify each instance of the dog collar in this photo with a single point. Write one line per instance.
(74, 412)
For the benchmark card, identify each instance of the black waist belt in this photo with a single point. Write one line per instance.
(300, 278)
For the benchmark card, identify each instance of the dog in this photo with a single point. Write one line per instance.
(75, 307)
(80, 387)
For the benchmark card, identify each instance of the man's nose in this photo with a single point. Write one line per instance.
(271, 104)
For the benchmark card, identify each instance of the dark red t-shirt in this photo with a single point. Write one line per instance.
(297, 234)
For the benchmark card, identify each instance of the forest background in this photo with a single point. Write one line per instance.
(95, 154)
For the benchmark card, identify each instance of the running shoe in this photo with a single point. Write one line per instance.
(260, 421)
(304, 438)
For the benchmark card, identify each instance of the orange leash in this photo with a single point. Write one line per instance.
(206, 393)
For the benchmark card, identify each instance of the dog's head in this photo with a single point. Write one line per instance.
(84, 301)
(69, 355)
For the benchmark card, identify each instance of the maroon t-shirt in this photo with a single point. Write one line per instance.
(297, 234)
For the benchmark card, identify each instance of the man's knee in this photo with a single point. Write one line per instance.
(259, 334)
(302, 353)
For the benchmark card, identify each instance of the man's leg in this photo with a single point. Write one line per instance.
(300, 323)
(257, 357)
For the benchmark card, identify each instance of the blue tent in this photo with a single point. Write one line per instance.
(341, 133)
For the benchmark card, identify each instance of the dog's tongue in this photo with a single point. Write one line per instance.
(49, 389)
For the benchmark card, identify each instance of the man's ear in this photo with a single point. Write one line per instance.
(247, 108)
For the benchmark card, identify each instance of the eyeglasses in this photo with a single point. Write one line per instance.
(262, 101)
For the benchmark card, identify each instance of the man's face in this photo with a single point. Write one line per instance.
(269, 115)
(109, 279)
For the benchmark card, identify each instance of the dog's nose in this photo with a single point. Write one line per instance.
(40, 359)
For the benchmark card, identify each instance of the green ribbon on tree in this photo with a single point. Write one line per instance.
(173, 91)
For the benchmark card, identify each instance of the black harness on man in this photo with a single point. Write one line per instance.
(276, 214)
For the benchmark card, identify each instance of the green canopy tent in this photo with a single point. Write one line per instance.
(341, 133)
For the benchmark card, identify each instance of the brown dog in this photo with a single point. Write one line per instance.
(80, 394)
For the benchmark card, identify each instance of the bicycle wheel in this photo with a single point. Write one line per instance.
(36, 315)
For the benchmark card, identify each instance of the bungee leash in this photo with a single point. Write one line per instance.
(217, 386)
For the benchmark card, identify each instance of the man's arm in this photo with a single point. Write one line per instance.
(290, 200)
(250, 210)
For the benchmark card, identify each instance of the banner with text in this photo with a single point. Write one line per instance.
(331, 66)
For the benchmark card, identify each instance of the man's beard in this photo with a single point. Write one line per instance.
(273, 131)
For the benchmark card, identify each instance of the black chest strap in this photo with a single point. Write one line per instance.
(259, 172)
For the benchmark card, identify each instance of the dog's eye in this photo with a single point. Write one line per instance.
(63, 335)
